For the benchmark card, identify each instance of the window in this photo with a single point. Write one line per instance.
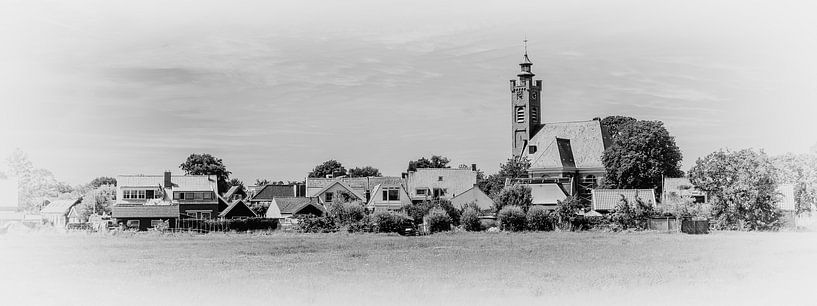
(205, 215)
(154, 223)
(391, 194)
(178, 195)
(209, 196)
(533, 114)
(328, 197)
(438, 192)
(189, 196)
(531, 149)
(421, 191)
(198, 196)
(134, 194)
(439, 178)
(133, 223)
(520, 114)
(149, 194)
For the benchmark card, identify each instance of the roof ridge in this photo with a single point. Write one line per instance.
(574, 121)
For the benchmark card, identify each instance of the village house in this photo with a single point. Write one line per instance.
(143, 201)
(444, 183)
(265, 194)
(390, 194)
(287, 209)
(605, 200)
(473, 196)
(60, 213)
(237, 209)
(565, 154)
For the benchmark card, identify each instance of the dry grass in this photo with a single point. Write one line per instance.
(443, 269)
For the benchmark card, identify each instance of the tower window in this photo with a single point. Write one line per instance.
(520, 114)
(531, 149)
(534, 114)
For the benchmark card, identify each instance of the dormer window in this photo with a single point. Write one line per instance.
(531, 149)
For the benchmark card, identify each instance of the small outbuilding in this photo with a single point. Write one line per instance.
(473, 195)
(62, 212)
(236, 210)
(291, 207)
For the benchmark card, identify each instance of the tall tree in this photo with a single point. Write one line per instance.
(741, 187)
(614, 124)
(640, 156)
(98, 200)
(329, 167)
(35, 184)
(436, 161)
(512, 168)
(102, 180)
(799, 170)
(364, 171)
(206, 164)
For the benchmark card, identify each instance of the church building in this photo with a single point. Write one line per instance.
(564, 154)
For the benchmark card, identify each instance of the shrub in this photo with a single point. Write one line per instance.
(347, 213)
(512, 218)
(470, 220)
(438, 220)
(313, 224)
(516, 195)
(452, 212)
(538, 219)
(389, 221)
(488, 223)
(417, 211)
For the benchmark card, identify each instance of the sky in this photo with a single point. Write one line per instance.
(102, 88)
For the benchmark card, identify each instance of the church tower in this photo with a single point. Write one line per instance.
(525, 106)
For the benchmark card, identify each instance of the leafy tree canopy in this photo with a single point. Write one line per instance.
(614, 124)
(328, 167)
(436, 161)
(514, 195)
(741, 187)
(102, 180)
(512, 168)
(364, 172)
(799, 170)
(35, 184)
(206, 164)
(262, 182)
(641, 155)
(236, 182)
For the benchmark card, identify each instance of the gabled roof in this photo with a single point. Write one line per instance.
(786, 201)
(145, 211)
(345, 186)
(241, 206)
(293, 205)
(60, 206)
(473, 195)
(607, 199)
(376, 198)
(269, 192)
(547, 194)
(180, 182)
(586, 145)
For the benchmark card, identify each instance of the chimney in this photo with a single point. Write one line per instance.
(403, 175)
(474, 167)
(168, 182)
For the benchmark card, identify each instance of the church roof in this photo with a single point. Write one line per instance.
(569, 145)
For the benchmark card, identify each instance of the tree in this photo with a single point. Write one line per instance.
(436, 161)
(364, 172)
(567, 211)
(614, 124)
(236, 182)
(799, 170)
(329, 167)
(262, 182)
(35, 184)
(102, 180)
(98, 200)
(206, 164)
(470, 220)
(511, 169)
(640, 156)
(515, 195)
(741, 187)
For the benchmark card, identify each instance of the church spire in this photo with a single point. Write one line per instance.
(526, 64)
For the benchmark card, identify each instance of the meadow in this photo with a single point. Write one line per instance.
(375, 269)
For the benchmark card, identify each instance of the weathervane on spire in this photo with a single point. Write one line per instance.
(525, 44)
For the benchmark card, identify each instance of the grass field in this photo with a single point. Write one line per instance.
(444, 269)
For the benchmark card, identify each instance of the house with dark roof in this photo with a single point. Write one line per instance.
(237, 209)
(559, 151)
(605, 200)
(362, 186)
(266, 193)
(196, 195)
(286, 208)
(60, 213)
